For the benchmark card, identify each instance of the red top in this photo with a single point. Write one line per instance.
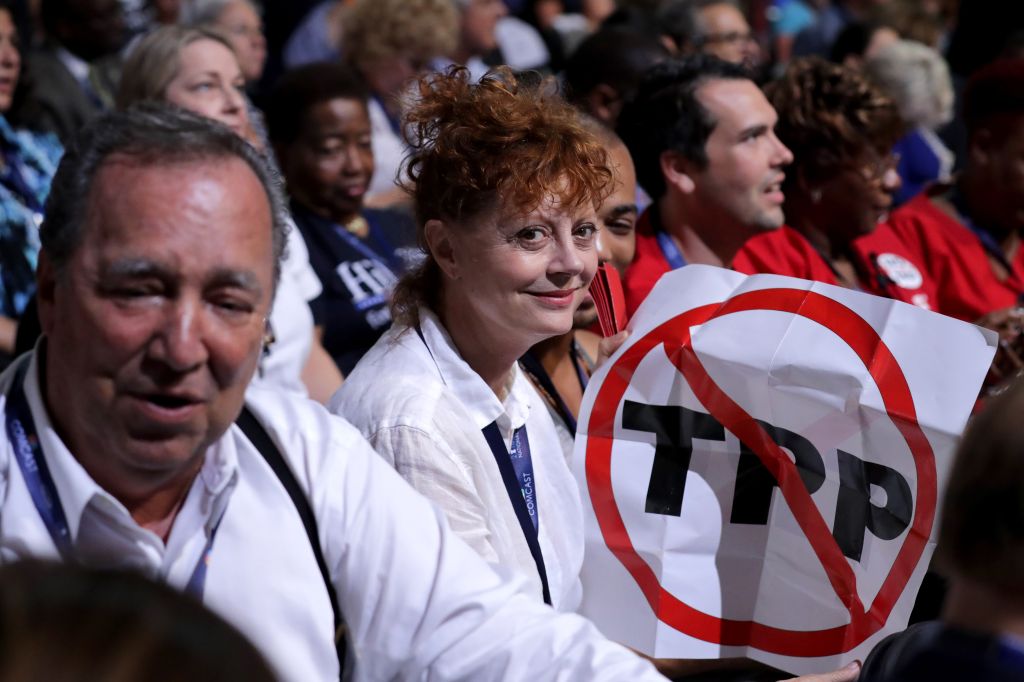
(648, 265)
(885, 266)
(956, 260)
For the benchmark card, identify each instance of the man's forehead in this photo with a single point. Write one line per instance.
(736, 103)
(146, 197)
(128, 177)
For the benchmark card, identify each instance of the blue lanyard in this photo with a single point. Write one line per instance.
(667, 245)
(516, 467)
(669, 249)
(21, 431)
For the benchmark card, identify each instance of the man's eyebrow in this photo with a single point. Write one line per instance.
(143, 267)
(755, 130)
(243, 279)
(135, 267)
(622, 210)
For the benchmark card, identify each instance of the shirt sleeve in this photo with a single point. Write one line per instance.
(419, 602)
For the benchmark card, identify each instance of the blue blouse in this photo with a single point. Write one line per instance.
(29, 162)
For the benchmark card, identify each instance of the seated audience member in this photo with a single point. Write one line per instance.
(72, 77)
(713, 27)
(702, 136)
(74, 624)
(389, 43)
(320, 129)
(917, 78)
(839, 189)
(239, 21)
(603, 72)
(28, 161)
(967, 234)
(788, 18)
(860, 41)
(981, 547)
(560, 367)
(317, 38)
(195, 69)
(509, 256)
(161, 244)
(478, 23)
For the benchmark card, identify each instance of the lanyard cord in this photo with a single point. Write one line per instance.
(28, 452)
(516, 468)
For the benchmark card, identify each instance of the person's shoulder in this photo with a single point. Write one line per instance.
(394, 384)
(923, 209)
(299, 424)
(782, 252)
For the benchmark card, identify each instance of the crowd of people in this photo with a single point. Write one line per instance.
(295, 311)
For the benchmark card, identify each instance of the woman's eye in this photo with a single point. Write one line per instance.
(530, 235)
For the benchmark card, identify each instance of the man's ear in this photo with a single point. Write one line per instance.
(677, 171)
(604, 102)
(46, 286)
(438, 235)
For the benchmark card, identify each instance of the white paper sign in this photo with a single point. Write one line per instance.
(704, 540)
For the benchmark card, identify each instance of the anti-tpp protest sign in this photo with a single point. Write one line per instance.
(763, 459)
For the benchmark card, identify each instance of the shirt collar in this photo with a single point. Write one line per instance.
(78, 67)
(474, 393)
(76, 489)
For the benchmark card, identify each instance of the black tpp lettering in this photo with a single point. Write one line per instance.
(855, 513)
(675, 428)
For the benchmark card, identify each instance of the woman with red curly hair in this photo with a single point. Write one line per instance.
(506, 182)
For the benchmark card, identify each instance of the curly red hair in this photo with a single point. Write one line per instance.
(500, 142)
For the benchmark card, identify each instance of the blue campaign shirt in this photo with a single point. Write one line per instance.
(30, 160)
(357, 276)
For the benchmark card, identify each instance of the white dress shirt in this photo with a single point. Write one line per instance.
(423, 409)
(291, 319)
(418, 603)
(388, 149)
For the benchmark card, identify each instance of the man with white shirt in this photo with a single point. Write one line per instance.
(161, 251)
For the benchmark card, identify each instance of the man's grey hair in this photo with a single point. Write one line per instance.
(151, 135)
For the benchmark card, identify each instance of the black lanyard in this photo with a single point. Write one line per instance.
(516, 467)
(542, 380)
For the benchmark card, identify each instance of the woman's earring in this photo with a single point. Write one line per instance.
(815, 196)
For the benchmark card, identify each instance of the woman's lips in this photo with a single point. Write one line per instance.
(562, 298)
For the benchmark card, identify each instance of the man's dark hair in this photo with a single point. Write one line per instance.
(149, 135)
(616, 57)
(996, 90)
(303, 88)
(665, 115)
(680, 20)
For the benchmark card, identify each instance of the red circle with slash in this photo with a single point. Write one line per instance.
(899, 405)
